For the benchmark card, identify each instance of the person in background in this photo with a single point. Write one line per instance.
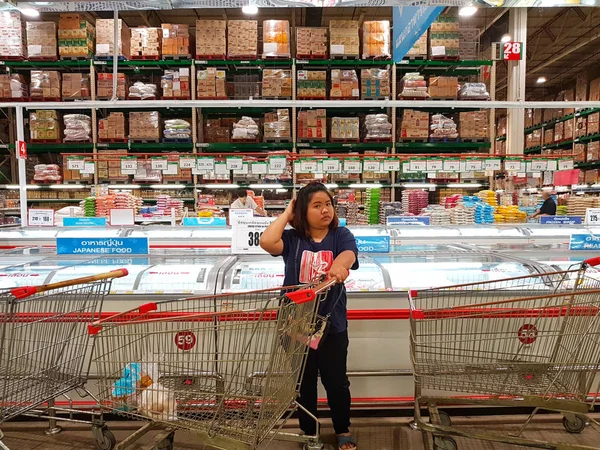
(548, 207)
(316, 246)
(244, 201)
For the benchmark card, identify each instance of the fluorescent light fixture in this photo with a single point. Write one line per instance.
(30, 12)
(505, 38)
(266, 186)
(67, 186)
(541, 80)
(467, 11)
(167, 186)
(124, 186)
(499, 191)
(331, 186)
(532, 190)
(419, 185)
(220, 186)
(579, 186)
(250, 9)
(281, 191)
(548, 188)
(42, 3)
(365, 186)
(595, 186)
(464, 185)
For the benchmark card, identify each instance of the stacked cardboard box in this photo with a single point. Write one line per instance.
(75, 86)
(444, 37)
(145, 42)
(113, 128)
(45, 84)
(376, 39)
(415, 125)
(569, 131)
(105, 86)
(559, 132)
(41, 40)
(595, 90)
(75, 175)
(175, 39)
(344, 84)
(277, 125)
(374, 83)
(468, 43)
(528, 117)
(473, 125)
(277, 83)
(109, 165)
(75, 37)
(175, 84)
(12, 35)
(548, 136)
(538, 115)
(579, 153)
(211, 39)
(568, 95)
(242, 39)
(593, 151)
(593, 123)
(217, 130)
(13, 87)
(345, 128)
(312, 124)
(443, 87)
(581, 127)
(536, 138)
(419, 48)
(344, 38)
(311, 42)
(312, 84)
(211, 84)
(44, 125)
(105, 38)
(276, 39)
(145, 125)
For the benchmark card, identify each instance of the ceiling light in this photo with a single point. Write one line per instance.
(541, 80)
(331, 186)
(467, 11)
(506, 38)
(250, 9)
(42, 3)
(30, 12)
(281, 191)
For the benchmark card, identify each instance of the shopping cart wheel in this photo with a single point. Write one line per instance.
(105, 439)
(574, 423)
(445, 419)
(166, 443)
(444, 443)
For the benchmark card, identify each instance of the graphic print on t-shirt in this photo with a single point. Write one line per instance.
(314, 264)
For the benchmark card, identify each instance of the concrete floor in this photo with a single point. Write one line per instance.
(372, 434)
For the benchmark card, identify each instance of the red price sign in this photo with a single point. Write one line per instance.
(512, 51)
(185, 340)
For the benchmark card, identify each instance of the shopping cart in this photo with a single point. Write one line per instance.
(226, 367)
(530, 341)
(44, 348)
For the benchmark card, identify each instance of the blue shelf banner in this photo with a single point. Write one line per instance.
(410, 22)
(560, 220)
(204, 222)
(584, 242)
(407, 220)
(103, 246)
(84, 221)
(373, 244)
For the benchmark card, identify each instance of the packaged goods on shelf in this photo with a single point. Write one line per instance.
(577, 205)
(344, 39)
(217, 130)
(581, 89)
(75, 37)
(177, 129)
(344, 84)
(245, 128)
(113, 127)
(45, 85)
(548, 136)
(372, 205)
(145, 42)
(105, 86)
(568, 95)
(144, 125)
(211, 39)
(376, 175)
(143, 91)
(12, 35)
(593, 151)
(488, 197)
(312, 124)
(277, 125)
(415, 125)
(443, 87)
(388, 209)
(47, 173)
(536, 138)
(375, 83)
(175, 84)
(78, 128)
(528, 116)
(276, 39)
(414, 200)
(580, 127)
(593, 123)
(44, 125)
(176, 173)
(75, 86)
(74, 175)
(529, 140)
(468, 42)
(244, 87)
(473, 91)
(537, 116)
(105, 38)
(312, 176)
(419, 48)
(579, 153)
(146, 174)
(311, 42)
(41, 40)
(312, 84)
(413, 86)
(89, 207)
(501, 126)
(591, 177)
(568, 133)
(242, 39)
(442, 127)
(345, 128)
(211, 84)
(376, 39)
(175, 39)
(444, 36)
(13, 87)
(104, 203)
(378, 127)
(109, 164)
(438, 216)
(595, 90)
(559, 132)
(277, 83)
(500, 147)
(473, 125)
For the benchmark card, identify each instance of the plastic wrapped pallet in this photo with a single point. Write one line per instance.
(277, 83)
(442, 127)
(143, 91)
(145, 42)
(311, 84)
(376, 39)
(245, 128)
(175, 40)
(242, 39)
(419, 48)
(276, 39)
(211, 84)
(78, 128)
(311, 42)
(13, 87)
(45, 84)
(374, 84)
(277, 125)
(244, 87)
(113, 128)
(175, 84)
(344, 38)
(415, 125)
(75, 86)
(444, 36)
(105, 86)
(413, 86)
(378, 127)
(144, 125)
(47, 173)
(443, 87)
(473, 125)
(312, 124)
(211, 39)
(105, 38)
(12, 35)
(177, 129)
(474, 91)
(44, 125)
(76, 37)
(41, 40)
(345, 128)
(344, 84)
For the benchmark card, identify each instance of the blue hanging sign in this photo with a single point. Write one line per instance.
(204, 222)
(584, 242)
(410, 22)
(373, 244)
(407, 220)
(84, 221)
(560, 220)
(103, 246)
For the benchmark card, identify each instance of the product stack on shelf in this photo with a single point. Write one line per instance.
(104, 203)
(146, 174)
(388, 209)
(276, 39)
(105, 38)
(145, 43)
(144, 126)
(372, 205)
(13, 87)
(78, 128)
(438, 215)
(413, 86)
(312, 125)
(211, 39)
(245, 87)
(177, 130)
(211, 84)
(419, 48)
(142, 91)
(414, 200)
(488, 197)
(217, 130)
(246, 129)
(344, 85)
(109, 165)
(442, 127)
(577, 205)
(105, 86)
(509, 214)
(47, 173)
(311, 42)
(113, 128)
(378, 127)
(345, 129)
(468, 43)
(44, 126)
(89, 207)
(242, 39)
(376, 39)
(175, 40)
(277, 126)
(175, 84)
(13, 33)
(344, 39)
(443, 88)
(473, 125)
(166, 203)
(277, 83)
(75, 37)
(375, 84)
(75, 86)
(312, 84)
(444, 37)
(41, 41)
(415, 125)
(45, 85)
(75, 175)
(462, 215)
(473, 91)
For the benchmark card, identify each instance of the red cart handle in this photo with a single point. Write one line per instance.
(592, 262)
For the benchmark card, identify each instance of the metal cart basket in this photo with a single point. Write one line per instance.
(226, 367)
(44, 346)
(531, 341)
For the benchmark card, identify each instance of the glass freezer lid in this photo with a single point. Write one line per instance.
(166, 233)
(95, 232)
(175, 279)
(24, 275)
(83, 270)
(490, 231)
(432, 232)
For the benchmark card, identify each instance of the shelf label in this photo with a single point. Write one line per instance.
(41, 218)
(352, 166)
(451, 165)
(513, 165)
(371, 165)
(332, 166)
(100, 63)
(207, 164)
(103, 246)
(584, 242)
(89, 168)
(473, 165)
(539, 165)
(203, 145)
(187, 162)
(308, 166)
(277, 164)
(221, 168)
(259, 168)
(234, 163)
(159, 163)
(492, 164)
(418, 165)
(551, 165)
(561, 220)
(172, 169)
(566, 164)
(592, 216)
(435, 165)
(391, 165)
(204, 222)
(373, 244)
(76, 163)
(246, 233)
(407, 220)
(243, 171)
(84, 221)
(129, 165)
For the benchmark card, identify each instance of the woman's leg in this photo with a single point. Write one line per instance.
(308, 394)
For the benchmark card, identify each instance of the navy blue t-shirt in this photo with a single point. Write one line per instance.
(304, 259)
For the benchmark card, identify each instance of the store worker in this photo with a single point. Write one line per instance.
(548, 207)
(317, 246)
(244, 201)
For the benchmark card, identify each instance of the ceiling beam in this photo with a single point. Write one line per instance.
(493, 21)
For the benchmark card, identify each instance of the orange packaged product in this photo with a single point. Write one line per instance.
(175, 40)
(276, 39)
(376, 39)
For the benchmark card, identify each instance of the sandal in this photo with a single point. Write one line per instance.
(342, 440)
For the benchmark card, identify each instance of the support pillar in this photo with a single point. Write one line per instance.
(517, 28)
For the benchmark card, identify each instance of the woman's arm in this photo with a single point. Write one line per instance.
(340, 269)
(270, 240)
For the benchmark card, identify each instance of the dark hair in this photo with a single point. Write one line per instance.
(300, 222)
(240, 193)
